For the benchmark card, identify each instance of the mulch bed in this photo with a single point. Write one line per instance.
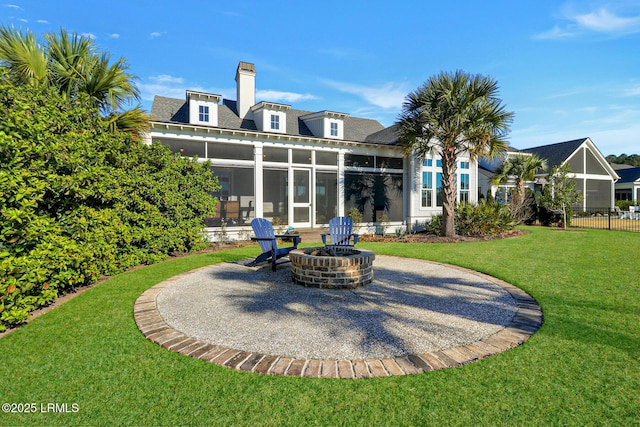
(433, 238)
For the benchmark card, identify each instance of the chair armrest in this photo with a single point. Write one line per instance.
(355, 239)
(324, 239)
(295, 237)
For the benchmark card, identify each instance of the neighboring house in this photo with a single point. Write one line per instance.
(628, 186)
(595, 177)
(297, 167)
(487, 169)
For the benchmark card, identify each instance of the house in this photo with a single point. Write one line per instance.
(300, 168)
(595, 178)
(628, 186)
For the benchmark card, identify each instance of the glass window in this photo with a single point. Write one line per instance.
(427, 190)
(275, 155)
(374, 194)
(439, 195)
(275, 198)
(203, 113)
(235, 197)
(439, 163)
(334, 129)
(464, 165)
(427, 162)
(464, 187)
(326, 158)
(275, 122)
(357, 160)
(217, 150)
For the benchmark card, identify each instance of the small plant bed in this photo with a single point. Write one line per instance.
(424, 237)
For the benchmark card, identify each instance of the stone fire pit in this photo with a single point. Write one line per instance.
(332, 268)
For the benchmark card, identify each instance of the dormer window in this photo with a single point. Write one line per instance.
(203, 108)
(270, 117)
(203, 113)
(275, 122)
(326, 124)
(334, 129)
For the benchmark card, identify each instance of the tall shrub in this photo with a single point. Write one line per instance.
(78, 201)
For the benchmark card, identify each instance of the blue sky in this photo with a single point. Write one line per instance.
(567, 70)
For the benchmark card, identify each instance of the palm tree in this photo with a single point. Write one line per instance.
(521, 168)
(25, 60)
(453, 114)
(71, 64)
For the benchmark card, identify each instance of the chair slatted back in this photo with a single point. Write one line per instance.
(340, 229)
(263, 228)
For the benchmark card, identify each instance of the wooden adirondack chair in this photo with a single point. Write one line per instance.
(340, 232)
(263, 229)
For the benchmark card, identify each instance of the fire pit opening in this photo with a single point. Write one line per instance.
(332, 267)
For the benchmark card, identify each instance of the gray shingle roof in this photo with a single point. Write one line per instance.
(174, 110)
(557, 153)
(628, 175)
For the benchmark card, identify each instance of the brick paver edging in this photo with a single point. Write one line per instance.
(527, 320)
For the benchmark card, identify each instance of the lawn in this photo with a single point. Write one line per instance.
(581, 368)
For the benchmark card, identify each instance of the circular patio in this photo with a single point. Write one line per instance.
(416, 316)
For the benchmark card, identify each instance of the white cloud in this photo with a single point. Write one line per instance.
(43, 21)
(13, 6)
(155, 34)
(603, 21)
(167, 79)
(555, 33)
(275, 95)
(89, 36)
(614, 129)
(606, 22)
(114, 35)
(387, 96)
(174, 87)
(633, 90)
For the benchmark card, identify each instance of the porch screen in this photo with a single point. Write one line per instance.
(598, 194)
(374, 194)
(235, 197)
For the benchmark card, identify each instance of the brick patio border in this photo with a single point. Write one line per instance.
(527, 320)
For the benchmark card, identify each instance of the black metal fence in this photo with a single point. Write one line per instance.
(606, 218)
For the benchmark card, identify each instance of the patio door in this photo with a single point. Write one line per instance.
(301, 197)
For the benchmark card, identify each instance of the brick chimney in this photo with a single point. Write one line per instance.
(246, 88)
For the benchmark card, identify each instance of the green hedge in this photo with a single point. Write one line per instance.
(78, 201)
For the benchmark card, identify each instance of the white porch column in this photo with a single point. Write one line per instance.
(258, 180)
(341, 211)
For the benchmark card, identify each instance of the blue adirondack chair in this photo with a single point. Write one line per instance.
(268, 240)
(340, 232)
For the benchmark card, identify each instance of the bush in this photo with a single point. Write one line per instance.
(624, 205)
(435, 225)
(355, 215)
(485, 218)
(78, 201)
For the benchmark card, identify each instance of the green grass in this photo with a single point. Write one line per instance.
(581, 368)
